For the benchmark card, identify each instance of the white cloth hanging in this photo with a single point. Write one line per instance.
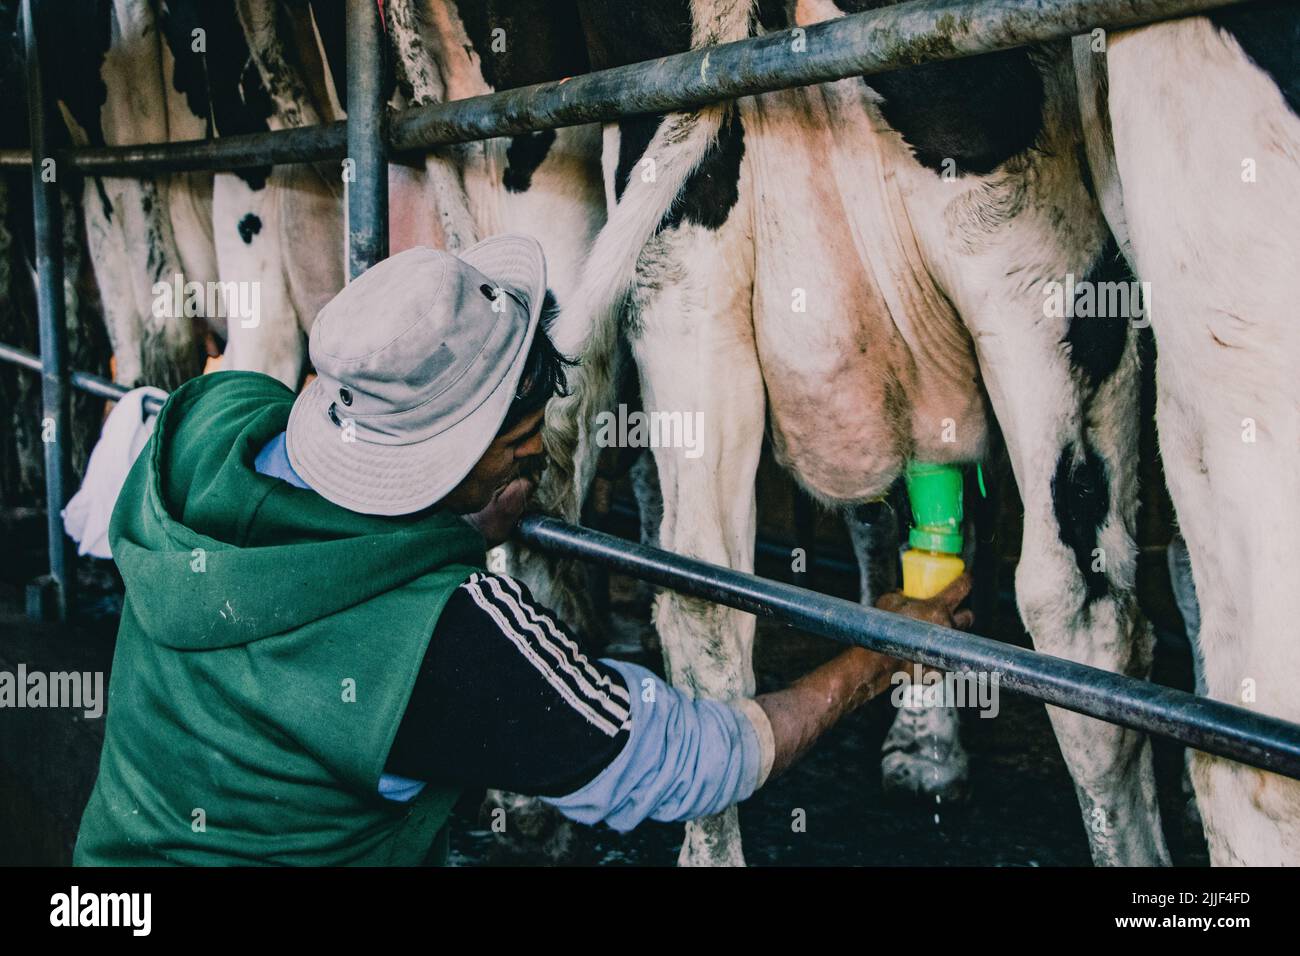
(86, 517)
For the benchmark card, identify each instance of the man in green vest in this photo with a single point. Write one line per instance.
(313, 663)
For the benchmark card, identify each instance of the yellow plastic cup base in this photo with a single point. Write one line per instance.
(926, 573)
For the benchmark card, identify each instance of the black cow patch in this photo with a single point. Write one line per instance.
(331, 25)
(79, 35)
(1081, 501)
(713, 188)
(1269, 32)
(524, 154)
(620, 32)
(248, 227)
(1095, 343)
(520, 42)
(178, 21)
(634, 135)
(773, 15)
(236, 100)
(977, 112)
(75, 38)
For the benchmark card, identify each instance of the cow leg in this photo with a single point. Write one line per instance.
(112, 266)
(129, 237)
(922, 755)
(873, 532)
(188, 195)
(1217, 244)
(245, 220)
(306, 219)
(1249, 816)
(1073, 460)
(692, 304)
(128, 225)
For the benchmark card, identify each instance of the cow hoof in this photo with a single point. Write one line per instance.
(922, 757)
(904, 776)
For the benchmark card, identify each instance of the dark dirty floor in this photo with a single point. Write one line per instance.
(1021, 809)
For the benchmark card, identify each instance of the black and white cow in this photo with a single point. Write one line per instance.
(139, 71)
(275, 233)
(106, 72)
(859, 269)
(159, 70)
(1196, 144)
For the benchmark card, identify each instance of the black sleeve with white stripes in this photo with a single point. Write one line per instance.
(507, 698)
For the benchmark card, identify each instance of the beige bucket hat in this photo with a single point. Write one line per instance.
(417, 362)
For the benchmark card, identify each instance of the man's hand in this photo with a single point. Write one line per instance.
(502, 513)
(940, 609)
(811, 705)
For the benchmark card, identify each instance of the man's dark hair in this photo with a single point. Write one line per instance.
(544, 376)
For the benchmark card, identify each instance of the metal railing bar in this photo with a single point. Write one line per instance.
(859, 44)
(1199, 722)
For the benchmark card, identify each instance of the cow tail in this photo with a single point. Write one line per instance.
(589, 326)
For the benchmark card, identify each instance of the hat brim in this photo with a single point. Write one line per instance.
(388, 479)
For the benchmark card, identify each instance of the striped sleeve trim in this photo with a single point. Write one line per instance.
(560, 661)
(544, 619)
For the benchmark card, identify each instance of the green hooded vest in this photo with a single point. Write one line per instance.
(268, 646)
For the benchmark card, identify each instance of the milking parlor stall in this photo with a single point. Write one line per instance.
(954, 332)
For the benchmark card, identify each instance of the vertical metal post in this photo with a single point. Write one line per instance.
(367, 176)
(52, 596)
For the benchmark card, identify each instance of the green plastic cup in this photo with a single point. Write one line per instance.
(935, 492)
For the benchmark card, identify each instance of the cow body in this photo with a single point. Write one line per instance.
(798, 261)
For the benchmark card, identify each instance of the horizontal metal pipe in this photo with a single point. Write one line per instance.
(85, 381)
(877, 41)
(301, 144)
(1201, 723)
(889, 38)
(20, 357)
(298, 145)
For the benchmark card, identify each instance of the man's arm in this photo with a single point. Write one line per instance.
(813, 704)
(508, 698)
